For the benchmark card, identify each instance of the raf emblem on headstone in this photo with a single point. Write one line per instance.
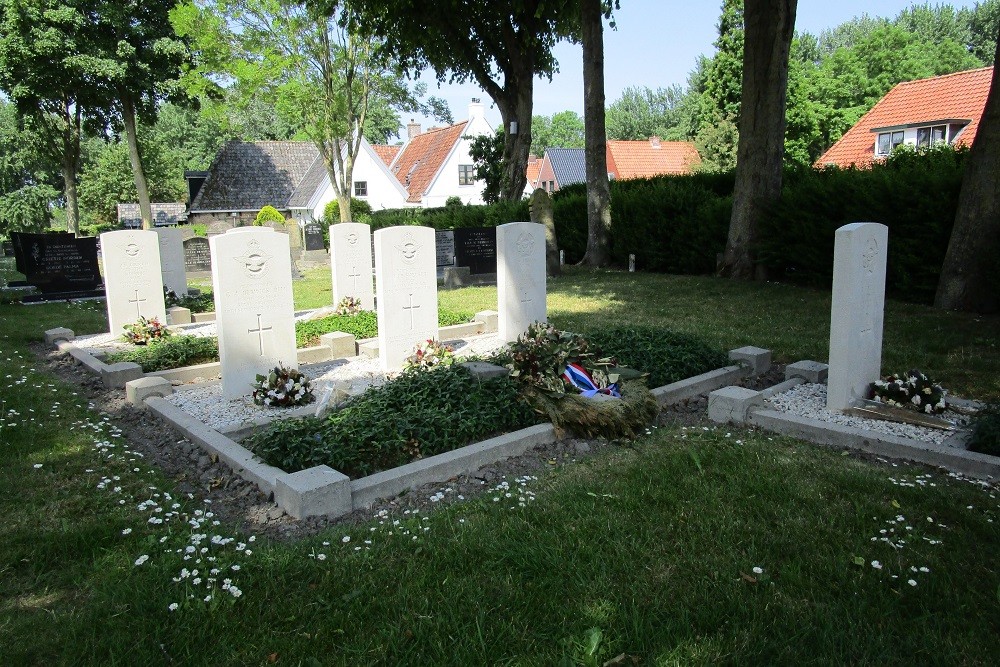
(254, 260)
(132, 249)
(408, 249)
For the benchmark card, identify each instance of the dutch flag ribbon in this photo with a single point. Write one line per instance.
(577, 375)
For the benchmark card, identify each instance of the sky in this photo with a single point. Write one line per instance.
(656, 44)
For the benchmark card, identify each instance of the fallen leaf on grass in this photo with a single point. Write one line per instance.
(750, 579)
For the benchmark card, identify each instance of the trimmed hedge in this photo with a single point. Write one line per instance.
(679, 224)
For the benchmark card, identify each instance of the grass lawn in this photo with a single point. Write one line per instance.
(647, 550)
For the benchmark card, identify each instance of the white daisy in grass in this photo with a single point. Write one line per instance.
(758, 570)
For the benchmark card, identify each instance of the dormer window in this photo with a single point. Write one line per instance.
(887, 141)
(919, 135)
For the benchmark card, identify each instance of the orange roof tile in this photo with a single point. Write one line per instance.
(961, 95)
(534, 168)
(387, 153)
(642, 159)
(421, 158)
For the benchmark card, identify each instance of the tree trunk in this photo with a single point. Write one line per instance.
(516, 106)
(138, 175)
(969, 275)
(768, 25)
(595, 135)
(69, 161)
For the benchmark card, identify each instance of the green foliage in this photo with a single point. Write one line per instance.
(487, 158)
(667, 356)
(199, 229)
(361, 211)
(97, 229)
(27, 209)
(419, 413)
(430, 354)
(202, 302)
(172, 352)
(268, 215)
(986, 431)
(563, 129)
(641, 113)
(914, 194)
(453, 201)
(362, 325)
(452, 217)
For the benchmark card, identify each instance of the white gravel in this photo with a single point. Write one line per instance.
(204, 402)
(809, 400)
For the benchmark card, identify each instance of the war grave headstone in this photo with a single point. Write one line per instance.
(132, 278)
(406, 291)
(60, 265)
(857, 312)
(351, 263)
(172, 260)
(252, 283)
(520, 277)
(197, 255)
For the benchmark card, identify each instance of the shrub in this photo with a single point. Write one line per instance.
(199, 229)
(452, 201)
(420, 413)
(98, 228)
(172, 352)
(361, 211)
(362, 325)
(667, 356)
(203, 302)
(268, 215)
(986, 431)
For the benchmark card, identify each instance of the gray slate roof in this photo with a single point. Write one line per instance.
(568, 165)
(167, 213)
(247, 176)
(308, 185)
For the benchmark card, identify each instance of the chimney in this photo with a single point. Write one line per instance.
(654, 141)
(412, 129)
(476, 109)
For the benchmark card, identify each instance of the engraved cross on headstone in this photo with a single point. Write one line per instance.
(410, 308)
(355, 275)
(136, 301)
(260, 335)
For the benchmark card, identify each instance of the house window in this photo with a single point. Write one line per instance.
(888, 141)
(466, 175)
(928, 136)
(360, 188)
(552, 186)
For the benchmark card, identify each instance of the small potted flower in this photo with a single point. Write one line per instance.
(429, 354)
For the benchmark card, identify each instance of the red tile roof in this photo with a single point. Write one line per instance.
(421, 158)
(642, 159)
(387, 153)
(953, 96)
(534, 168)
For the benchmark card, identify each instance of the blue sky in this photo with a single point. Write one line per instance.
(656, 45)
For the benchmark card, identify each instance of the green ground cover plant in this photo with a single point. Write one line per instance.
(171, 352)
(203, 302)
(722, 545)
(420, 413)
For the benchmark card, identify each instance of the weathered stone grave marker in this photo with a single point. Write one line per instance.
(856, 312)
(520, 277)
(252, 282)
(407, 291)
(172, 260)
(197, 256)
(351, 263)
(132, 279)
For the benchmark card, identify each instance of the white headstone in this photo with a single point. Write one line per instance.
(351, 263)
(252, 281)
(172, 260)
(520, 277)
(857, 311)
(132, 281)
(406, 284)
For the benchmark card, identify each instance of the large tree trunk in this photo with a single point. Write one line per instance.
(69, 162)
(138, 175)
(516, 106)
(969, 275)
(768, 26)
(595, 135)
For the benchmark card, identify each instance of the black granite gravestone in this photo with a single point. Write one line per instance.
(476, 248)
(197, 256)
(314, 236)
(57, 262)
(444, 244)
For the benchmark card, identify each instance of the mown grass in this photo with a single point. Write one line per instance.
(653, 542)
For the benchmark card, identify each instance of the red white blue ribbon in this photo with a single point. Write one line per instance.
(577, 375)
